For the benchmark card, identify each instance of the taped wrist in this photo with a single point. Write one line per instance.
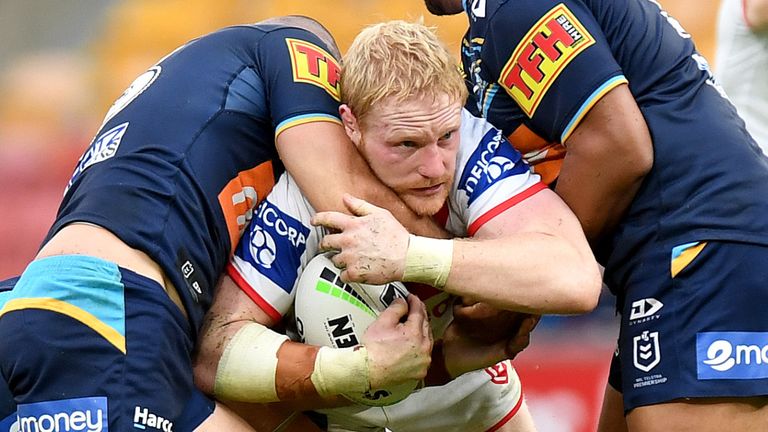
(428, 261)
(247, 369)
(341, 370)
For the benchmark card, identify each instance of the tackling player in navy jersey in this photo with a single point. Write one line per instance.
(98, 332)
(611, 103)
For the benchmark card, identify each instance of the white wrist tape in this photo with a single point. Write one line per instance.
(428, 261)
(341, 370)
(247, 369)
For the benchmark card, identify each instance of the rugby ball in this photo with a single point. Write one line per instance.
(333, 313)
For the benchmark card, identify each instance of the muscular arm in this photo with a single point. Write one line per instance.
(532, 258)
(756, 14)
(609, 154)
(326, 164)
(231, 310)
(397, 348)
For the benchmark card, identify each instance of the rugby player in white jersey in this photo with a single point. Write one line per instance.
(403, 99)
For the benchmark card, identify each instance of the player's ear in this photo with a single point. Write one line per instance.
(351, 125)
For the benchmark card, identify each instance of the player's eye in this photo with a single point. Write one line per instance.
(447, 136)
(408, 144)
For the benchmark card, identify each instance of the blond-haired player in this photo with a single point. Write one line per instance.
(404, 97)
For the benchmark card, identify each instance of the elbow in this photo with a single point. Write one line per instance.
(583, 293)
(644, 161)
(639, 160)
(591, 294)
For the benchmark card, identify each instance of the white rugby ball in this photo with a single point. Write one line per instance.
(332, 313)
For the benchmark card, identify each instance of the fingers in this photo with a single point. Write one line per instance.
(529, 323)
(358, 206)
(340, 221)
(332, 220)
(417, 315)
(523, 337)
(416, 308)
(336, 259)
(392, 315)
(332, 242)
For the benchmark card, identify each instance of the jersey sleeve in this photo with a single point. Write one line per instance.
(491, 177)
(301, 76)
(553, 59)
(275, 248)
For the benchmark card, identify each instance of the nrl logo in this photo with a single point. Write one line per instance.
(646, 351)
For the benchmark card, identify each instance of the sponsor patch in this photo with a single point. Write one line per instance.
(145, 420)
(102, 148)
(137, 87)
(551, 44)
(493, 160)
(645, 310)
(342, 331)
(241, 194)
(732, 355)
(9, 424)
(313, 65)
(498, 373)
(275, 235)
(193, 279)
(84, 414)
(646, 352)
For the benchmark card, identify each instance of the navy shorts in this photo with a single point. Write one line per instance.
(89, 345)
(694, 325)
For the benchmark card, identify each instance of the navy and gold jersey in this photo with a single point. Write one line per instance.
(536, 67)
(188, 150)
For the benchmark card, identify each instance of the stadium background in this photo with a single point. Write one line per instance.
(63, 62)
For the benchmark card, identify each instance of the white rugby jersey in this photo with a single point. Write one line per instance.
(491, 177)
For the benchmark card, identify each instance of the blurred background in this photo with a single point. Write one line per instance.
(63, 62)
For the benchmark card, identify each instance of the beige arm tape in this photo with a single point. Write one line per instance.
(341, 370)
(428, 261)
(247, 369)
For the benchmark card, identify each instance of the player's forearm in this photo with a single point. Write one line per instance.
(221, 370)
(295, 365)
(528, 272)
(337, 167)
(756, 14)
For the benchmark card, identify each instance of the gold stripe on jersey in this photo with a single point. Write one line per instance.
(107, 332)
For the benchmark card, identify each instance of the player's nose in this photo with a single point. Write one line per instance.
(432, 162)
